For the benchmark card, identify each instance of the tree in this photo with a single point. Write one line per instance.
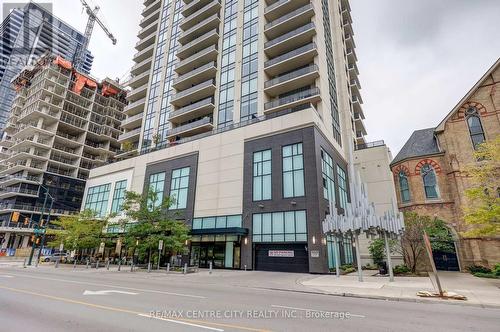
(412, 241)
(483, 212)
(78, 231)
(148, 220)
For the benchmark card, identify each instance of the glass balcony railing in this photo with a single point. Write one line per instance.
(292, 98)
(291, 54)
(290, 76)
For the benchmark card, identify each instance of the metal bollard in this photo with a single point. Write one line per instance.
(97, 264)
(185, 268)
(132, 267)
(210, 268)
(87, 264)
(107, 265)
(24, 263)
(57, 264)
(36, 263)
(74, 264)
(245, 267)
(119, 265)
(168, 267)
(149, 267)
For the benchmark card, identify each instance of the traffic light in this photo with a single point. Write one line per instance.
(15, 216)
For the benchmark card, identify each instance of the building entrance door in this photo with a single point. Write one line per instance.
(212, 252)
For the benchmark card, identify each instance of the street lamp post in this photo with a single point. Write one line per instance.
(40, 220)
(43, 235)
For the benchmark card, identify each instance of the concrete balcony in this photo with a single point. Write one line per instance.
(10, 180)
(135, 107)
(32, 167)
(26, 153)
(28, 130)
(150, 18)
(131, 135)
(195, 76)
(290, 40)
(349, 42)
(144, 54)
(44, 110)
(282, 7)
(133, 121)
(193, 128)
(139, 80)
(301, 77)
(290, 21)
(351, 56)
(141, 67)
(208, 39)
(148, 30)
(146, 41)
(197, 92)
(303, 97)
(41, 143)
(353, 71)
(192, 111)
(347, 28)
(286, 62)
(355, 86)
(356, 104)
(6, 142)
(150, 8)
(16, 191)
(207, 10)
(138, 93)
(207, 54)
(201, 28)
(193, 6)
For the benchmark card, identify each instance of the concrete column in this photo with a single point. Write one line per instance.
(6, 240)
(16, 241)
(26, 239)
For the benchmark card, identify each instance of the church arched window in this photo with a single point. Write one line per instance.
(475, 128)
(404, 187)
(430, 181)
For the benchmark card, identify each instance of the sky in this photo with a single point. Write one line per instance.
(417, 58)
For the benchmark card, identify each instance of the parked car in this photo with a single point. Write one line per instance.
(60, 256)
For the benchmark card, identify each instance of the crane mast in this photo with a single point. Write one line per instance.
(92, 13)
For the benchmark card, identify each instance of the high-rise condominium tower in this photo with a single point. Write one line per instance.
(247, 112)
(27, 33)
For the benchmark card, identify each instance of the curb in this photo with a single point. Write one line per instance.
(388, 298)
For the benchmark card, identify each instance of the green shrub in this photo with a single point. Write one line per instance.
(486, 275)
(496, 270)
(349, 270)
(346, 266)
(478, 268)
(401, 269)
(376, 249)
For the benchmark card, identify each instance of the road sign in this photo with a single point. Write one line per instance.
(101, 248)
(160, 245)
(39, 231)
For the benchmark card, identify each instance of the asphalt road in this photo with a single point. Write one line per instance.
(49, 299)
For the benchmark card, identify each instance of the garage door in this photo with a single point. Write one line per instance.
(281, 257)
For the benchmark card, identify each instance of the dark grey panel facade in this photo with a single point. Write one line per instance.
(168, 166)
(315, 205)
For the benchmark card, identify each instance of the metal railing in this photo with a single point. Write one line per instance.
(132, 118)
(194, 124)
(130, 134)
(189, 108)
(277, 40)
(368, 145)
(290, 54)
(134, 104)
(291, 75)
(195, 56)
(195, 71)
(283, 18)
(197, 40)
(292, 98)
(19, 190)
(193, 89)
(198, 25)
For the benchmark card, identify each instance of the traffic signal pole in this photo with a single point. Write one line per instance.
(39, 221)
(45, 227)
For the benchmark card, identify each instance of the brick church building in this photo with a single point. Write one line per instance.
(429, 170)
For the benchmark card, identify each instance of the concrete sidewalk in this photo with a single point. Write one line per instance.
(479, 292)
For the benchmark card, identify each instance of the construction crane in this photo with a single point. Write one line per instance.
(92, 13)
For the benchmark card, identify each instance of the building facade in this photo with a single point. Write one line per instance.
(27, 33)
(247, 112)
(429, 171)
(62, 124)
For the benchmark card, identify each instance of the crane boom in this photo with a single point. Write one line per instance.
(92, 13)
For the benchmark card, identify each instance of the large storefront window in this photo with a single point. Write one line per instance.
(217, 222)
(157, 184)
(118, 196)
(97, 199)
(293, 171)
(262, 175)
(287, 226)
(179, 188)
(222, 250)
(344, 250)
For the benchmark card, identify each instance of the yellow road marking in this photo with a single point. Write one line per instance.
(99, 306)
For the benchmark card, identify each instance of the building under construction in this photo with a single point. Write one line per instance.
(62, 124)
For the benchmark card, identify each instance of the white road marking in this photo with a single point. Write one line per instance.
(106, 292)
(305, 309)
(112, 286)
(181, 322)
(5, 276)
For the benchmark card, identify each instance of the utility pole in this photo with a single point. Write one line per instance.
(45, 227)
(36, 227)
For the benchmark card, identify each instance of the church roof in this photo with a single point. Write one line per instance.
(422, 142)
